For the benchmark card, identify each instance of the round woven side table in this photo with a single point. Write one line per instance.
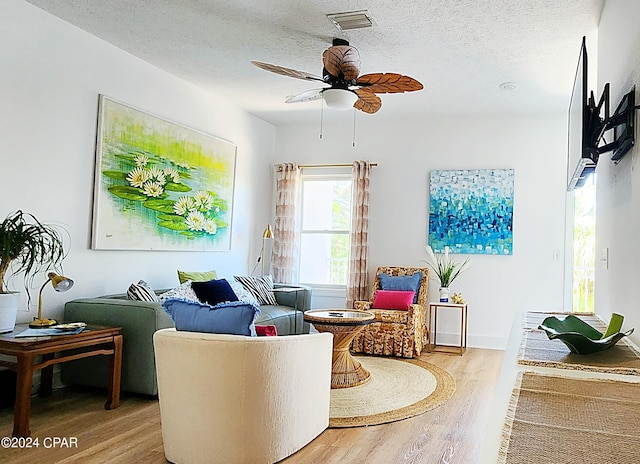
(344, 324)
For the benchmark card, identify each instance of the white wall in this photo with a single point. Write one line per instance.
(618, 196)
(51, 76)
(53, 72)
(496, 287)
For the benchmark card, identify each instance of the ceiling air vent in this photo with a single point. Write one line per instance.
(351, 20)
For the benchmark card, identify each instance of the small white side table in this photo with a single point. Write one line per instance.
(433, 324)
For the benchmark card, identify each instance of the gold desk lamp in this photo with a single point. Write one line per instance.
(60, 284)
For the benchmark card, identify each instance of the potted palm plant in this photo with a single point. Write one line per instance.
(446, 269)
(27, 246)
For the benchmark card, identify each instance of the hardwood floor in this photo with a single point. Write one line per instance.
(451, 434)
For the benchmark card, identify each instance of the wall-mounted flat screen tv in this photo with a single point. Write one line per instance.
(587, 127)
(581, 157)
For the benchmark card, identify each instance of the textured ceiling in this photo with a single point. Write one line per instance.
(461, 50)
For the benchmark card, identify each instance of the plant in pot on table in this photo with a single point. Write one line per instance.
(26, 246)
(446, 269)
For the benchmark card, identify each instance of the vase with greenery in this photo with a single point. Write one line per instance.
(27, 246)
(446, 269)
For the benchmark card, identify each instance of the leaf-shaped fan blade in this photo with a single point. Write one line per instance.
(309, 95)
(368, 102)
(287, 71)
(388, 83)
(343, 59)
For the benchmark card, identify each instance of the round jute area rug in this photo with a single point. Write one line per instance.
(398, 389)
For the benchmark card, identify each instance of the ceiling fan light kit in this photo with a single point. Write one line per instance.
(339, 99)
(347, 88)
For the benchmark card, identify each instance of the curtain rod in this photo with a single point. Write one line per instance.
(338, 165)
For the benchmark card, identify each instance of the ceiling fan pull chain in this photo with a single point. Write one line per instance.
(321, 116)
(353, 141)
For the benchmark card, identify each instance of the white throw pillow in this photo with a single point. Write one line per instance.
(183, 292)
(242, 293)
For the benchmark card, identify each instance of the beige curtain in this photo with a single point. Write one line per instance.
(285, 232)
(358, 279)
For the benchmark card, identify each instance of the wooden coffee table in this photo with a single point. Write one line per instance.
(99, 341)
(344, 324)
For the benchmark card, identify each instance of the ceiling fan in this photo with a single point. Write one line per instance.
(341, 69)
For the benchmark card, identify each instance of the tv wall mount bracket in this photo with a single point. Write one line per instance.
(622, 122)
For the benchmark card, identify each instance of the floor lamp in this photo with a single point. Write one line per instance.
(265, 252)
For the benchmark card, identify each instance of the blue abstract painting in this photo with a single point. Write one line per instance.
(471, 211)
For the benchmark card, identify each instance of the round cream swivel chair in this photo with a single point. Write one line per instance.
(235, 399)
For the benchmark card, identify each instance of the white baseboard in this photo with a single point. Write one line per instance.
(473, 341)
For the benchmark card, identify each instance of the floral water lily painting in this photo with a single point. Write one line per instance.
(160, 185)
(471, 211)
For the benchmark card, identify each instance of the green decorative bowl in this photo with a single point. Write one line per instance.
(580, 337)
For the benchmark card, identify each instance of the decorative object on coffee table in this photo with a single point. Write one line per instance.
(60, 284)
(344, 325)
(28, 246)
(580, 337)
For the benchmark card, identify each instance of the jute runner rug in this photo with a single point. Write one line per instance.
(558, 420)
(399, 388)
(537, 350)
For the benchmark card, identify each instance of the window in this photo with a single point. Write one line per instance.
(325, 227)
(584, 246)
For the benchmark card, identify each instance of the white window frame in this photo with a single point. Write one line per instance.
(342, 176)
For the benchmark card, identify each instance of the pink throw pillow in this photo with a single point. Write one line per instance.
(393, 299)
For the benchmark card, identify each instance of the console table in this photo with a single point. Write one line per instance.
(96, 340)
(507, 381)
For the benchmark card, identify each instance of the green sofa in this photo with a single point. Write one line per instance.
(140, 320)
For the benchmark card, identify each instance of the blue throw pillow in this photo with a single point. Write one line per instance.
(404, 283)
(235, 318)
(214, 291)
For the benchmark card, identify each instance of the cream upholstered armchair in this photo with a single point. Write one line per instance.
(401, 333)
(233, 399)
